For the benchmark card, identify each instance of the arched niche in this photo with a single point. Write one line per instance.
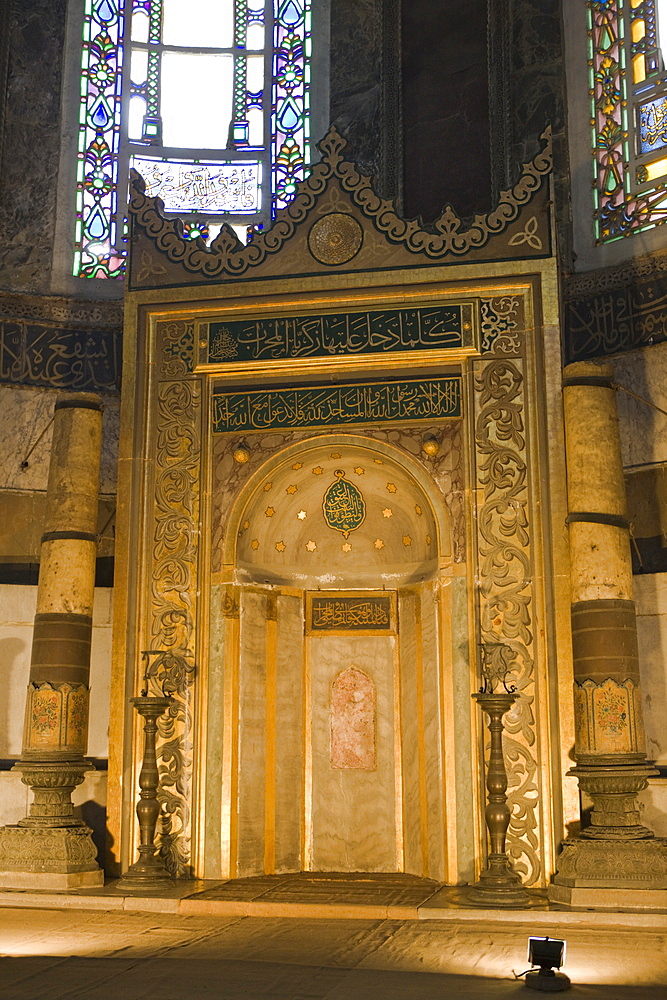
(290, 801)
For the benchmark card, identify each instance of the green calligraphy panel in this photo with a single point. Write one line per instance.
(326, 406)
(340, 334)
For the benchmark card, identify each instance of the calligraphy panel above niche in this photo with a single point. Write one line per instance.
(338, 405)
(329, 335)
(351, 612)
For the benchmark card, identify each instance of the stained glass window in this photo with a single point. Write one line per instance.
(208, 99)
(628, 88)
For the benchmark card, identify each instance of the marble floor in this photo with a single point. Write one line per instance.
(311, 937)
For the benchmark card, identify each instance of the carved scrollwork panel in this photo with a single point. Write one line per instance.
(505, 588)
(174, 583)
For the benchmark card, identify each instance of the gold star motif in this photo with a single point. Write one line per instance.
(335, 454)
(391, 488)
(280, 546)
(269, 511)
(254, 544)
(301, 515)
(311, 545)
(297, 465)
(246, 525)
(378, 543)
(346, 547)
(291, 489)
(267, 487)
(407, 540)
(359, 471)
(387, 512)
(378, 461)
(318, 470)
(418, 509)
(428, 539)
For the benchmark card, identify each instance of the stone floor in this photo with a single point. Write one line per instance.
(108, 945)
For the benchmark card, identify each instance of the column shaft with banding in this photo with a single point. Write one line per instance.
(56, 724)
(609, 727)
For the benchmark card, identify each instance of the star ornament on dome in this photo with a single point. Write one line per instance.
(254, 544)
(292, 488)
(269, 512)
(297, 465)
(359, 471)
(378, 543)
(407, 540)
(267, 487)
(391, 488)
(387, 512)
(280, 546)
(318, 470)
(301, 515)
(311, 545)
(346, 547)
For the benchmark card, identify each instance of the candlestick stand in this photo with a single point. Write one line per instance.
(148, 872)
(499, 884)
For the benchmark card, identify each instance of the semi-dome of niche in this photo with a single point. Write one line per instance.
(340, 515)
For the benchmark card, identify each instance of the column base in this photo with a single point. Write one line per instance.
(48, 858)
(611, 874)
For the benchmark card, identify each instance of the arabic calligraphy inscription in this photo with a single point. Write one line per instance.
(338, 334)
(356, 613)
(321, 406)
(343, 505)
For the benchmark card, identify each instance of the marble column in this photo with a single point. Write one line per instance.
(51, 848)
(615, 855)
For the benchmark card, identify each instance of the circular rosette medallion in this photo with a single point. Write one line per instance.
(335, 238)
(343, 505)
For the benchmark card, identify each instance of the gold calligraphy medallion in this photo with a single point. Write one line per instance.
(343, 505)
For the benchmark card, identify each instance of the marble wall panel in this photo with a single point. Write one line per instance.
(18, 605)
(289, 734)
(216, 826)
(643, 428)
(29, 168)
(651, 601)
(356, 86)
(458, 731)
(252, 733)
(432, 736)
(25, 414)
(353, 810)
(412, 833)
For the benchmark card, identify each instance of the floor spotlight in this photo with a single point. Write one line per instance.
(549, 954)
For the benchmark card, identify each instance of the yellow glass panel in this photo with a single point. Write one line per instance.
(638, 29)
(656, 169)
(638, 68)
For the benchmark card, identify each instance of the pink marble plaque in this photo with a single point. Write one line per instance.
(353, 720)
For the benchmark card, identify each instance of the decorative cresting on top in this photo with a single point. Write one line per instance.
(227, 257)
(343, 505)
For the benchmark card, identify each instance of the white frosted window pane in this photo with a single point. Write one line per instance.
(135, 117)
(255, 74)
(661, 6)
(255, 127)
(139, 66)
(196, 99)
(205, 23)
(241, 232)
(140, 26)
(255, 36)
(202, 187)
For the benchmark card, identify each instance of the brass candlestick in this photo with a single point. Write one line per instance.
(148, 872)
(499, 884)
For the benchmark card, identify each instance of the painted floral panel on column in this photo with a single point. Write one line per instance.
(353, 720)
(45, 707)
(612, 711)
